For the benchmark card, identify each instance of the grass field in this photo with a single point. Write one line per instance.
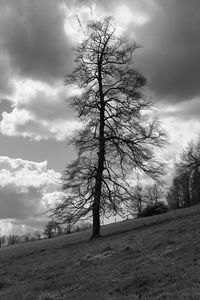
(150, 258)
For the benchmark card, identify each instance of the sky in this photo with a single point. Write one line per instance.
(37, 38)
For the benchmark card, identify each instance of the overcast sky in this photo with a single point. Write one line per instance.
(36, 41)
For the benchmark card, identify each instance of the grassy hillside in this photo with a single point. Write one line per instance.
(151, 258)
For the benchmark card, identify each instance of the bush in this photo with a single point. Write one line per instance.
(155, 209)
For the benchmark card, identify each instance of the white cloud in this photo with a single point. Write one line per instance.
(21, 122)
(51, 198)
(10, 120)
(27, 190)
(40, 112)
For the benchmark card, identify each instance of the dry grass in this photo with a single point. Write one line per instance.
(154, 258)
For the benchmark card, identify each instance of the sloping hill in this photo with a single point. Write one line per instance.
(151, 258)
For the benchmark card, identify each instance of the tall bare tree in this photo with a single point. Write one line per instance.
(186, 182)
(118, 133)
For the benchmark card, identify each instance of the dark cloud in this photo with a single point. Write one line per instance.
(49, 107)
(171, 46)
(56, 153)
(6, 86)
(5, 105)
(169, 57)
(23, 185)
(33, 40)
(183, 111)
(15, 204)
(32, 35)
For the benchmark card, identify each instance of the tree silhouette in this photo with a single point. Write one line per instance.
(118, 133)
(52, 228)
(185, 188)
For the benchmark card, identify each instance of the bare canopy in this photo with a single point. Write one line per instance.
(118, 134)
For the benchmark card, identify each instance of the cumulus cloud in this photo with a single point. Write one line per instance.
(36, 39)
(35, 54)
(21, 122)
(27, 190)
(39, 112)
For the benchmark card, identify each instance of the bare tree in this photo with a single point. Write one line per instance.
(185, 189)
(136, 205)
(190, 158)
(189, 168)
(2, 240)
(119, 132)
(154, 192)
(37, 235)
(52, 229)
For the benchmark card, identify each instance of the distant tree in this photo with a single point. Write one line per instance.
(190, 158)
(173, 196)
(118, 134)
(2, 240)
(65, 218)
(185, 188)
(12, 239)
(195, 187)
(28, 237)
(138, 198)
(52, 228)
(190, 167)
(137, 204)
(37, 235)
(153, 193)
(82, 226)
(69, 223)
(153, 209)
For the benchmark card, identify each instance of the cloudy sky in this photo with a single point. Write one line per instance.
(36, 41)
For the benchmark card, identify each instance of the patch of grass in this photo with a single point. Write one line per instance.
(150, 259)
(186, 295)
(18, 293)
(136, 285)
(106, 248)
(3, 284)
(46, 295)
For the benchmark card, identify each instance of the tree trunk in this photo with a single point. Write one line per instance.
(187, 191)
(97, 198)
(96, 218)
(100, 167)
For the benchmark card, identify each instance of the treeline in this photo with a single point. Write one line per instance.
(147, 200)
(51, 229)
(11, 239)
(184, 190)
